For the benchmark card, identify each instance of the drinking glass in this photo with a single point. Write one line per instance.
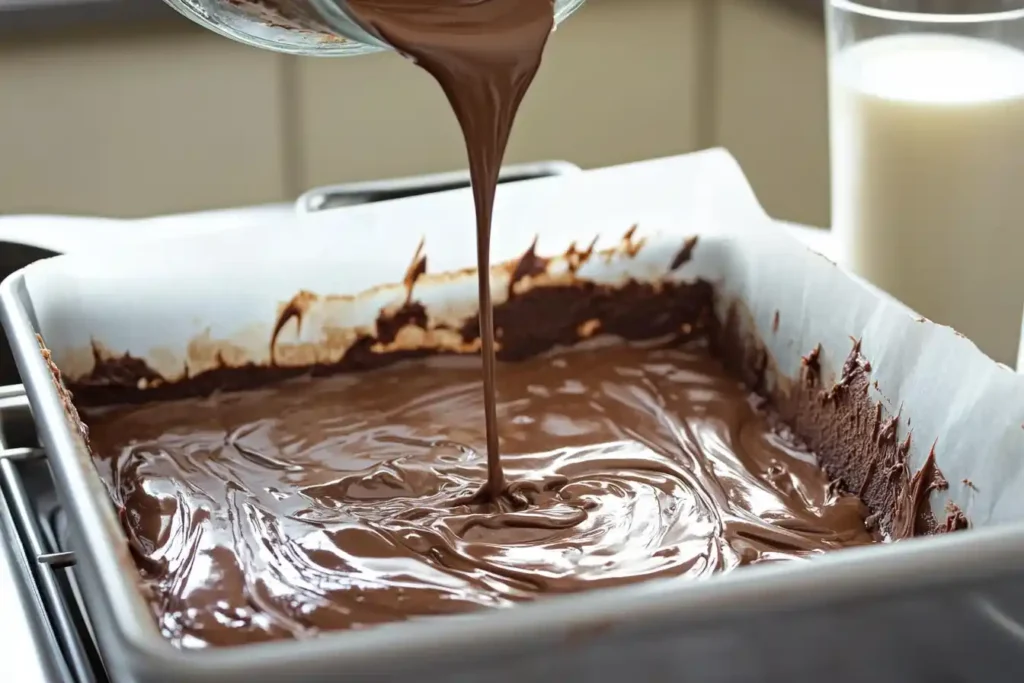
(927, 169)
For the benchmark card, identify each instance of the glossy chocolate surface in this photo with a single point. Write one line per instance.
(348, 501)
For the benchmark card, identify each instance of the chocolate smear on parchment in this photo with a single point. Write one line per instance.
(856, 443)
(550, 307)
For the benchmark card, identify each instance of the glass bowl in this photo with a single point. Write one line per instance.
(318, 28)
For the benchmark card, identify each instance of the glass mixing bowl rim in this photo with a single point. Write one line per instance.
(343, 47)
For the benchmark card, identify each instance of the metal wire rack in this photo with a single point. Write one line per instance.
(31, 517)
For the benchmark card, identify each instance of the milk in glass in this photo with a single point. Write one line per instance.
(928, 178)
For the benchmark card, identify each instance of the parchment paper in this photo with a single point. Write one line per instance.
(165, 300)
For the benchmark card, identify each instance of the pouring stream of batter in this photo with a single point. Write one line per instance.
(484, 54)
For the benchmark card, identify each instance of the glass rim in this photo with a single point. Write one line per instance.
(926, 17)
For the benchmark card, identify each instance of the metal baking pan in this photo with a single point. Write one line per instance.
(336, 196)
(947, 608)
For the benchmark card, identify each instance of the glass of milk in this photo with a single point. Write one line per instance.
(927, 141)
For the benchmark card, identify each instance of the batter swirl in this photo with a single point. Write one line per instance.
(345, 502)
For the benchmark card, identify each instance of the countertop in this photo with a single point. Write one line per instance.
(26, 658)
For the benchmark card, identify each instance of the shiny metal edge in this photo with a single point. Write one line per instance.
(321, 198)
(135, 651)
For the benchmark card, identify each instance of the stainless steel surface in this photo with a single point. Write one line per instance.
(21, 624)
(65, 631)
(336, 196)
(20, 454)
(41, 623)
(58, 560)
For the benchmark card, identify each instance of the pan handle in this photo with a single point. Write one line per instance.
(336, 196)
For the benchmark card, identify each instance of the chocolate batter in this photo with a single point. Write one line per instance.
(484, 55)
(344, 502)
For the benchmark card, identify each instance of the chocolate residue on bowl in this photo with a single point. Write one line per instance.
(292, 15)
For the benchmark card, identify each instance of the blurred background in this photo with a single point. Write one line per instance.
(123, 108)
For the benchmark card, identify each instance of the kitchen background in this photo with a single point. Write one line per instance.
(123, 108)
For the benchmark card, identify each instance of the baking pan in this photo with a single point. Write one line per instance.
(945, 608)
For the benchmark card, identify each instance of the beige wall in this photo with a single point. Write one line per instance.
(176, 120)
(135, 125)
(618, 84)
(771, 101)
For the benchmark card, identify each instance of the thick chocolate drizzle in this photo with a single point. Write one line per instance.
(484, 55)
(345, 502)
